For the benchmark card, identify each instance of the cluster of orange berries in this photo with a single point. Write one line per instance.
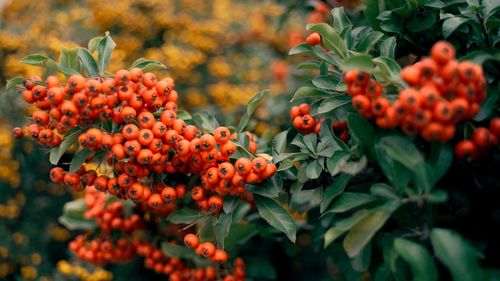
(147, 137)
(302, 120)
(177, 269)
(109, 215)
(482, 139)
(442, 93)
(205, 249)
(101, 251)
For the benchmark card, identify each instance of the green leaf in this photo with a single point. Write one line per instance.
(206, 121)
(330, 104)
(250, 109)
(78, 159)
(269, 188)
(104, 49)
(333, 190)
(395, 172)
(418, 24)
(279, 142)
(388, 47)
(185, 216)
(14, 82)
(451, 24)
(487, 107)
(438, 4)
(440, 160)
(308, 92)
(222, 227)
(350, 200)
(70, 138)
(230, 203)
(184, 115)
(333, 163)
(361, 261)
(457, 254)
(69, 58)
(383, 190)
(358, 62)
(302, 48)
(313, 170)
(277, 216)
(405, 152)
(344, 225)
(73, 218)
(325, 82)
(364, 230)
(438, 196)
(92, 46)
(330, 38)
(419, 259)
(340, 19)
(88, 62)
(371, 13)
(148, 65)
(40, 60)
(369, 42)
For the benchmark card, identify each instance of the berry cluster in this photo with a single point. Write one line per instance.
(205, 249)
(482, 139)
(147, 137)
(109, 215)
(178, 270)
(101, 251)
(302, 120)
(442, 93)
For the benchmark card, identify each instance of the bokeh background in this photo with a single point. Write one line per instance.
(220, 53)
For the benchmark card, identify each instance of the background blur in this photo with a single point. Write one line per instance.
(220, 52)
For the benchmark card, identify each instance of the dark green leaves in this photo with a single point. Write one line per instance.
(277, 216)
(70, 138)
(249, 110)
(419, 259)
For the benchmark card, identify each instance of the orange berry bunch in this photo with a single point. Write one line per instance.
(146, 138)
(341, 130)
(109, 216)
(302, 120)
(205, 249)
(177, 269)
(482, 139)
(442, 93)
(101, 251)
